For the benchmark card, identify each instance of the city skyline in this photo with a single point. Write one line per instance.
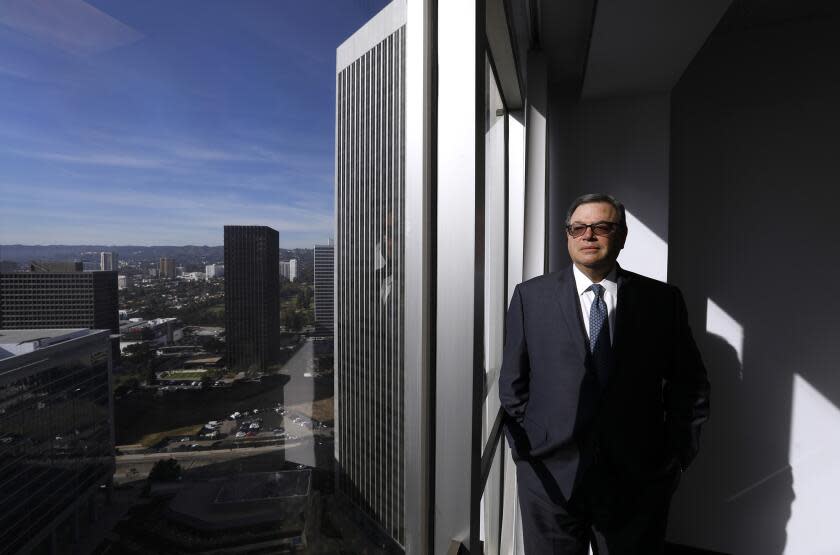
(164, 122)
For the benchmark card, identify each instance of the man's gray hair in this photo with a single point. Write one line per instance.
(597, 197)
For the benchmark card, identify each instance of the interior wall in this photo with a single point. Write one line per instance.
(753, 227)
(620, 146)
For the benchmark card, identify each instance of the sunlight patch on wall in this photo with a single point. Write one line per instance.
(645, 252)
(721, 324)
(813, 452)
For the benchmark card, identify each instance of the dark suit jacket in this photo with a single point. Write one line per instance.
(652, 407)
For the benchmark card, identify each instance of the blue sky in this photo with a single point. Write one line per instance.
(158, 122)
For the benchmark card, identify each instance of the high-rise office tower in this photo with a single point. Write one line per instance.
(39, 300)
(167, 267)
(57, 429)
(370, 138)
(324, 276)
(252, 296)
(108, 261)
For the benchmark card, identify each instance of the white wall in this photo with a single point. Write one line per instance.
(753, 244)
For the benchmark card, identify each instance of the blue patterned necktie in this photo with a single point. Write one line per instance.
(599, 335)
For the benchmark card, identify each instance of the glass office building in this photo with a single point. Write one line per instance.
(324, 277)
(252, 296)
(56, 430)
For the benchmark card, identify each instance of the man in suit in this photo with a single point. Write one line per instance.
(605, 392)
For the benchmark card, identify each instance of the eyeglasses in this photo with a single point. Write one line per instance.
(601, 229)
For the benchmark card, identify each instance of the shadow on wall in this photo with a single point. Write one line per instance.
(752, 229)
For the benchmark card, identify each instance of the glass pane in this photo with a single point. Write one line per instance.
(222, 186)
(494, 292)
(494, 225)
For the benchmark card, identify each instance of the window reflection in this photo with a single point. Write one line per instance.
(55, 440)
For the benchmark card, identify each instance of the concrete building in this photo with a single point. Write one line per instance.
(122, 282)
(194, 276)
(252, 297)
(57, 430)
(369, 270)
(213, 271)
(324, 278)
(167, 268)
(108, 261)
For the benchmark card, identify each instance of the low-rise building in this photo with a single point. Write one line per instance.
(160, 332)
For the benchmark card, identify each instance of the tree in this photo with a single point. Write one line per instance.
(165, 470)
(140, 355)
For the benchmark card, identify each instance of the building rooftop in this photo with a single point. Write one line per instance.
(18, 342)
(278, 498)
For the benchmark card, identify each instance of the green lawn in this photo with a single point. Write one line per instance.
(149, 440)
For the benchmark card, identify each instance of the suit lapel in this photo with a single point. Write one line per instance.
(567, 299)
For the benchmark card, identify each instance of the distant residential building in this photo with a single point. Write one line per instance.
(51, 300)
(324, 275)
(213, 271)
(194, 276)
(252, 296)
(122, 282)
(288, 269)
(57, 428)
(108, 261)
(167, 267)
(51, 266)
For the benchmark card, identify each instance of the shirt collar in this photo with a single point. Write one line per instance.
(582, 282)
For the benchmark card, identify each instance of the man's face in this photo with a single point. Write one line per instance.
(597, 252)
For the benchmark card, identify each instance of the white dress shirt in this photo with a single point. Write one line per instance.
(587, 297)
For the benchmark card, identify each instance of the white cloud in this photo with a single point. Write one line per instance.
(146, 217)
(116, 160)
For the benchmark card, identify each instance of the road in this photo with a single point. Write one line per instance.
(298, 391)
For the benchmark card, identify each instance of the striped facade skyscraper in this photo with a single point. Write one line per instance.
(369, 253)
